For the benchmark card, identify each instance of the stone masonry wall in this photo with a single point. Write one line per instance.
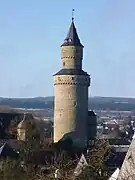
(71, 57)
(71, 106)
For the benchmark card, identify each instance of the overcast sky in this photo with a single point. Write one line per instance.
(31, 32)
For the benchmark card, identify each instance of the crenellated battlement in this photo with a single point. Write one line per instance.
(72, 80)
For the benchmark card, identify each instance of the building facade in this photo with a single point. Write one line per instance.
(71, 92)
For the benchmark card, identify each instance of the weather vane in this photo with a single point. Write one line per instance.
(73, 14)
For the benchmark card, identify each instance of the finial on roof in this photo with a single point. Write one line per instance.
(73, 15)
(72, 38)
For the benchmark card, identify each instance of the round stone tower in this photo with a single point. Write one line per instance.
(71, 92)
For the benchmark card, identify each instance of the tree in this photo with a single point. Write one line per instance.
(96, 159)
(32, 144)
(12, 129)
(11, 169)
(61, 163)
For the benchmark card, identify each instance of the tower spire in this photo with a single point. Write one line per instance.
(72, 38)
(73, 15)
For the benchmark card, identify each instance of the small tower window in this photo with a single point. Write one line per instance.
(59, 79)
(63, 64)
(73, 78)
(75, 104)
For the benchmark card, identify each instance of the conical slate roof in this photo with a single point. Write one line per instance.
(72, 38)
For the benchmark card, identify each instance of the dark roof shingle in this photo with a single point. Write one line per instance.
(72, 38)
(71, 72)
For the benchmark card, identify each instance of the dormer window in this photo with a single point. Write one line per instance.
(69, 40)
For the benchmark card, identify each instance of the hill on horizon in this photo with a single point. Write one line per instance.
(95, 103)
